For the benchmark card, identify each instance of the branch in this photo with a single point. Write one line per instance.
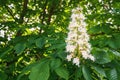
(97, 34)
(43, 15)
(44, 12)
(52, 9)
(102, 33)
(23, 13)
(50, 14)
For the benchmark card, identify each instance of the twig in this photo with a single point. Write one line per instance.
(10, 12)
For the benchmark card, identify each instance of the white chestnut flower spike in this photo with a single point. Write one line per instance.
(77, 41)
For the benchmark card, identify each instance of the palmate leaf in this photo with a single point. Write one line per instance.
(86, 73)
(40, 72)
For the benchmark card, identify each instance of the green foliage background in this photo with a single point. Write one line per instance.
(40, 54)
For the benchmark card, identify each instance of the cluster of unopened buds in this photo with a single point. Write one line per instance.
(77, 41)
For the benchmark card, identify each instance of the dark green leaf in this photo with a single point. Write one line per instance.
(40, 42)
(62, 72)
(55, 63)
(95, 29)
(20, 47)
(3, 76)
(6, 52)
(102, 56)
(99, 70)
(78, 73)
(113, 74)
(86, 73)
(57, 46)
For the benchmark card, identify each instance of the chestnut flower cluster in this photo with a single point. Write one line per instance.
(77, 41)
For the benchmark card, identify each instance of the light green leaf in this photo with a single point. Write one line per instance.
(86, 73)
(40, 72)
(62, 72)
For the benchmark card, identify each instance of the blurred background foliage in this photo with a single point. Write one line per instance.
(32, 40)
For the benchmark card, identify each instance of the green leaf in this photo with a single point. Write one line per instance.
(3, 76)
(111, 43)
(40, 72)
(31, 40)
(106, 28)
(117, 40)
(61, 54)
(116, 53)
(55, 63)
(86, 73)
(57, 46)
(94, 29)
(78, 73)
(62, 72)
(113, 74)
(40, 42)
(99, 70)
(26, 70)
(19, 48)
(6, 52)
(102, 56)
(114, 42)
